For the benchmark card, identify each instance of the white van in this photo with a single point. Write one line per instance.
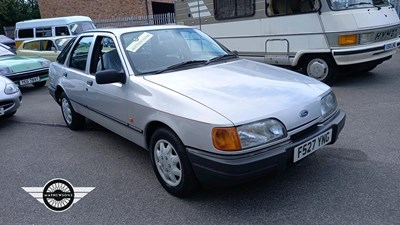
(50, 27)
(320, 37)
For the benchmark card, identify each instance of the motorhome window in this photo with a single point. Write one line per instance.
(79, 27)
(229, 9)
(43, 32)
(354, 4)
(289, 7)
(62, 31)
(25, 33)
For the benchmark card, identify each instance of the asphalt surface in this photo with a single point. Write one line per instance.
(355, 181)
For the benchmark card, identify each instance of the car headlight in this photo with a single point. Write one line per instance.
(45, 63)
(11, 88)
(328, 104)
(248, 135)
(4, 70)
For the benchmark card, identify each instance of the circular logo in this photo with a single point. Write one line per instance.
(303, 113)
(58, 195)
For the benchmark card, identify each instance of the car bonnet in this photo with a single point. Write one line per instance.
(244, 91)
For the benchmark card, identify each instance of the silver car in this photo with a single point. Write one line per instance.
(10, 97)
(206, 116)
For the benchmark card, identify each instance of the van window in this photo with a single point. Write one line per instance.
(43, 32)
(25, 33)
(62, 31)
(288, 7)
(229, 9)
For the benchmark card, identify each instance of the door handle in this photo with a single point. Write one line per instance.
(65, 74)
(89, 82)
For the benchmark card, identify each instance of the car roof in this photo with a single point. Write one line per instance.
(119, 31)
(47, 38)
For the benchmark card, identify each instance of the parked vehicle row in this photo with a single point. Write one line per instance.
(23, 70)
(206, 116)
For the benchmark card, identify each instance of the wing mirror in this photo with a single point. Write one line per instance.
(110, 76)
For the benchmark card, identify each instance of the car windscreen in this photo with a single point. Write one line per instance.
(62, 42)
(79, 27)
(345, 4)
(157, 50)
(5, 52)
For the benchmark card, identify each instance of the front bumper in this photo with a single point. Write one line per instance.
(373, 52)
(10, 103)
(216, 170)
(42, 74)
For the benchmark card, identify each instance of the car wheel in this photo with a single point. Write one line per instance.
(171, 164)
(73, 120)
(321, 67)
(39, 84)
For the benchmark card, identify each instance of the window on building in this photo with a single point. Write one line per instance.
(229, 9)
(288, 7)
(25, 33)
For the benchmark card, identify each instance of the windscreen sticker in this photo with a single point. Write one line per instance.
(62, 41)
(139, 42)
(73, 29)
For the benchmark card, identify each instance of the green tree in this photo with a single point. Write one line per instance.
(12, 11)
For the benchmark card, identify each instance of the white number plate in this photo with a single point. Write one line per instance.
(1, 111)
(29, 81)
(390, 46)
(312, 145)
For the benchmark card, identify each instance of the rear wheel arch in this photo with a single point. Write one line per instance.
(58, 93)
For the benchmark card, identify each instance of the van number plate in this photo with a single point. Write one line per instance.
(390, 46)
(312, 145)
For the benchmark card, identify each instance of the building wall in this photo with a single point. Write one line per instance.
(96, 9)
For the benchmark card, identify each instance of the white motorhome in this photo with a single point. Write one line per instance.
(320, 37)
(51, 27)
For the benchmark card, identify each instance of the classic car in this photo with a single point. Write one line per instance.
(10, 97)
(206, 116)
(48, 48)
(23, 70)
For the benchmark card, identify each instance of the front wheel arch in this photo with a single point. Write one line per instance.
(319, 66)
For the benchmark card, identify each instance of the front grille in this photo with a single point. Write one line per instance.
(301, 134)
(28, 74)
(6, 104)
(386, 35)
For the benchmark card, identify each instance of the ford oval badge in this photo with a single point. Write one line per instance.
(303, 113)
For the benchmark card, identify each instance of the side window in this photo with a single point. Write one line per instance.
(61, 31)
(64, 53)
(25, 33)
(229, 9)
(43, 32)
(32, 45)
(79, 54)
(105, 55)
(289, 7)
(46, 45)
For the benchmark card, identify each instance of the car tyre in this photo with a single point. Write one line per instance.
(73, 120)
(320, 67)
(171, 163)
(39, 84)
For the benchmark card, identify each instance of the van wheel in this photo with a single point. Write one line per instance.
(39, 84)
(73, 120)
(321, 67)
(171, 163)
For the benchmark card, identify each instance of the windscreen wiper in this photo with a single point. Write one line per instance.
(364, 3)
(226, 56)
(179, 65)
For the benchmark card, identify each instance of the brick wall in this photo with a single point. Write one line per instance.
(95, 9)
